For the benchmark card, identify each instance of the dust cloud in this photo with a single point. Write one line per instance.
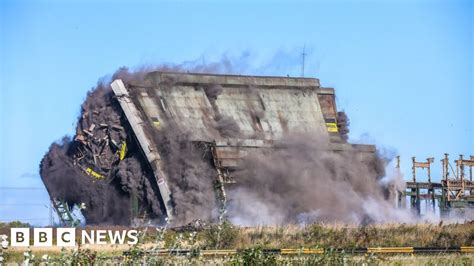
(299, 181)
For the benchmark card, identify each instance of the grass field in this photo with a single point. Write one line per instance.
(251, 257)
(253, 241)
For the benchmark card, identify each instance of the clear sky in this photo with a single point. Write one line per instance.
(403, 70)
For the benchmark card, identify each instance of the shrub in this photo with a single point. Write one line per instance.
(254, 256)
(221, 235)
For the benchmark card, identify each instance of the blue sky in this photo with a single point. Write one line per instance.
(403, 70)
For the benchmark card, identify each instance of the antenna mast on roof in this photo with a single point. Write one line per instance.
(303, 55)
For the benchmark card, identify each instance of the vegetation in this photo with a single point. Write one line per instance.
(254, 256)
(161, 246)
(5, 227)
(334, 236)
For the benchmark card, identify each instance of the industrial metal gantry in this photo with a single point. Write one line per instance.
(454, 193)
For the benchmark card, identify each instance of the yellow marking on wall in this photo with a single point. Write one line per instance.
(332, 127)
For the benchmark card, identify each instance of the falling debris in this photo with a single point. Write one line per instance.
(269, 150)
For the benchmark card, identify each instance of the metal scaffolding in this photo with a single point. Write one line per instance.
(455, 192)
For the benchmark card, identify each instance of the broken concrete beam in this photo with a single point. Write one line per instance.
(117, 127)
(114, 143)
(88, 133)
(132, 114)
(80, 138)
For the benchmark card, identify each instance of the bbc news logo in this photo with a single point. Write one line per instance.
(66, 237)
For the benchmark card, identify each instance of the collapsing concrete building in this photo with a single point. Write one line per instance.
(180, 145)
